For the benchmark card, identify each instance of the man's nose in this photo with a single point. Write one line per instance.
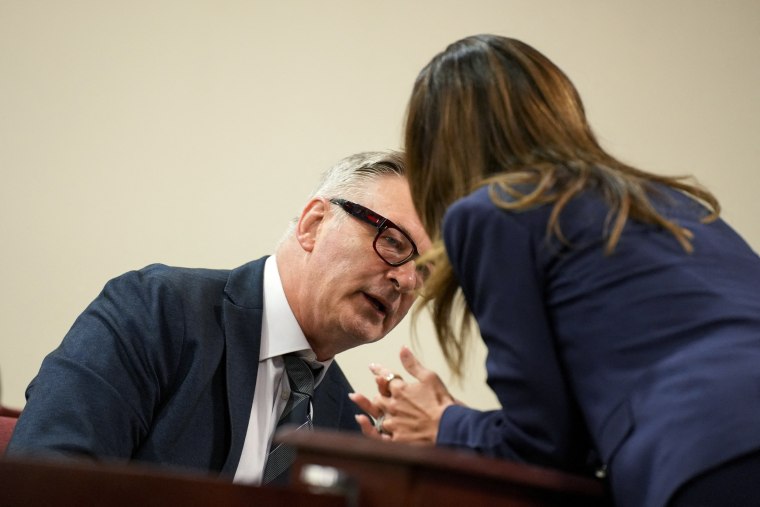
(404, 277)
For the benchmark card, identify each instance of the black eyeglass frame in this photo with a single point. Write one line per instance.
(380, 223)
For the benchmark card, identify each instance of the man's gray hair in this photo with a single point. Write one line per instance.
(350, 177)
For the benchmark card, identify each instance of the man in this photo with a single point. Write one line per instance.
(185, 367)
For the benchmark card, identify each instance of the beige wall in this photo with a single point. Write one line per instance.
(189, 133)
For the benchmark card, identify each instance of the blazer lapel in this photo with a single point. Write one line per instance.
(242, 313)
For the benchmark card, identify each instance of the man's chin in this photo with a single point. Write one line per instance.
(368, 334)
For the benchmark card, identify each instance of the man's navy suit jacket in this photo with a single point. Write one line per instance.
(161, 368)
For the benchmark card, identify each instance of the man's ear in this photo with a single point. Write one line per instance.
(310, 221)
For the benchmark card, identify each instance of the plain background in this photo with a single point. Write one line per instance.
(190, 132)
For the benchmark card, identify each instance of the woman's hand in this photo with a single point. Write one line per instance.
(370, 427)
(407, 412)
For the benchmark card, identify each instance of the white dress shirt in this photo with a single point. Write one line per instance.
(280, 334)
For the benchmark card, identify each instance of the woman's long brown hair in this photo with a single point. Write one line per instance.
(491, 110)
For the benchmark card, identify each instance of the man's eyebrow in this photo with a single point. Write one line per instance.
(402, 229)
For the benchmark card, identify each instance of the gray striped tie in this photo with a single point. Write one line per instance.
(297, 413)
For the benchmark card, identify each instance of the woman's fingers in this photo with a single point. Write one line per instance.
(384, 378)
(365, 404)
(369, 423)
(411, 364)
(367, 427)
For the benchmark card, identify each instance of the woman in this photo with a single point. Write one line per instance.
(621, 315)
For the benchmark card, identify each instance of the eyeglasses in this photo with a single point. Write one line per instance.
(391, 244)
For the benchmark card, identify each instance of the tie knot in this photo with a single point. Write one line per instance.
(300, 374)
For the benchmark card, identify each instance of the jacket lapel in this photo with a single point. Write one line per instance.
(242, 313)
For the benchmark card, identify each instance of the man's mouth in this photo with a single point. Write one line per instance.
(376, 303)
